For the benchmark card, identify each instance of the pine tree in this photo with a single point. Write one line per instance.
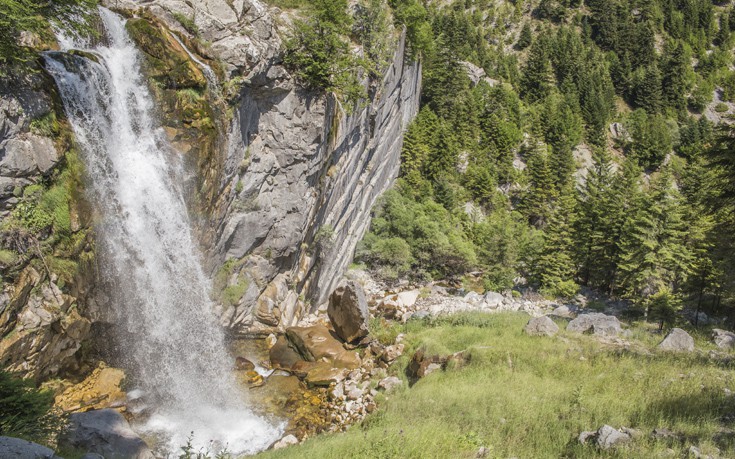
(676, 78)
(536, 77)
(655, 256)
(648, 93)
(525, 38)
(555, 267)
(537, 201)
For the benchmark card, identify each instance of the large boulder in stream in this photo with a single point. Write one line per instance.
(104, 432)
(348, 312)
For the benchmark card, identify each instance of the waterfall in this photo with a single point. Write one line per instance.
(149, 257)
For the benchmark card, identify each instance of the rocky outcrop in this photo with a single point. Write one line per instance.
(16, 448)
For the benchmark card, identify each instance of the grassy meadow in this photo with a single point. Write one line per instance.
(530, 397)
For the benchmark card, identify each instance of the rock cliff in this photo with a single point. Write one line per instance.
(298, 173)
(285, 178)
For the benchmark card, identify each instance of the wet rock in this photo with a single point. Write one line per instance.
(243, 364)
(104, 432)
(101, 389)
(288, 440)
(282, 356)
(348, 312)
(595, 323)
(677, 340)
(324, 374)
(723, 339)
(12, 448)
(541, 326)
(316, 343)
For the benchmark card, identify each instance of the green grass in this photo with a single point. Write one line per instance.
(530, 397)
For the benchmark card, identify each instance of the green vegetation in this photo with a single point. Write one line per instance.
(36, 17)
(522, 396)
(230, 283)
(489, 172)
(25, 411)
(188, 23)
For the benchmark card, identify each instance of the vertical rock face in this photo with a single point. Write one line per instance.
(299, 173)
(304, 175)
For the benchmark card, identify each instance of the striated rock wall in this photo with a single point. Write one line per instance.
(298, 173)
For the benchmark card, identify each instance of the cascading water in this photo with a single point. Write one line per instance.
(173, 343)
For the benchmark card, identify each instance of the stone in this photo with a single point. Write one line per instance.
(104, 432)
(392, 352)
(389, 383)
(288, 440)
(662, 433)
(316, 343)
(282, 356)
(408, 298)
(565, 312)
(324, 374)
(595, 323)
(270, 341)
(16, 448)
(541, 326)
(609, 437)
(493, 299)
(587, 435)
(677, 340)
(243, 364)
(101, 389)
(421, 365)
(723, 339)
(348, 312)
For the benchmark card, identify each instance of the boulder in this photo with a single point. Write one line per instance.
(565, 312)
(348, 312)
(288, 440)
(282, 356)
(677, 340)
(408, 298)
(493, 299)
(609, 437)
(723, 338)
(541, 326)
(316, 343)
(324, 374)
(15, 448)
(422, 365)
(104, 432)
(605, 437)
(596, 323)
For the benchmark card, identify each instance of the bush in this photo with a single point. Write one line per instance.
(25, 411)
(561, 289)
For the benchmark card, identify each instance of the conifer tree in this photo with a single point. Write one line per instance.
(655, 256)
(537, 201)
(555, 266)
(676, 77)
(525, 38)
(536, 77)
(648, 93)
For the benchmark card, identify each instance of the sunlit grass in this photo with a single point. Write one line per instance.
(530, 397)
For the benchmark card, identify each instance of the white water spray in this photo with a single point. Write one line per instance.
(151, 259)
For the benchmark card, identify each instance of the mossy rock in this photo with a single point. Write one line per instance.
(166, 61)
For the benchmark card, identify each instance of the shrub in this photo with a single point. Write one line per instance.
(26, 411)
